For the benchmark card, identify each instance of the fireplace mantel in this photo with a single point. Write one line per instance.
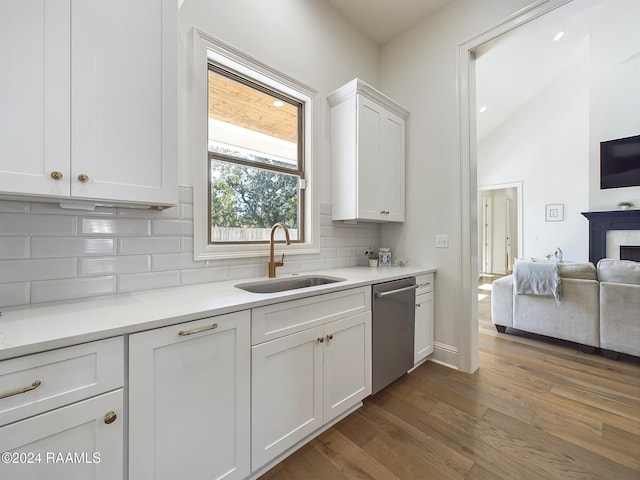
(601, 222)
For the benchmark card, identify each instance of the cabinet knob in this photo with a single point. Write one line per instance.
(83, 177)
(56, 175)
(320, 339)
(330, 336)
(418, 305)
(110, 417)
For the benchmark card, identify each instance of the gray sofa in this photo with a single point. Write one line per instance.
(598, 308)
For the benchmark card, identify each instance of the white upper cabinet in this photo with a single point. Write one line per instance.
(367, 154)
(91, 100)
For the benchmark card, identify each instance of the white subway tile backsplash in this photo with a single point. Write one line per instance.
(32, 224)
(172, 227)
(137, 245)
(37, 269)
(148, 281)
(306, 265)
(48, 253)
(185, 194)
(43, 247)
(115, 226)
(51, 290)
(325, 209)
(248, 271)
(186, 244)
(327, 242)
(204, 275)
(114, 265)
(336, 263)
(14, 247)
(15, 294)
(174, 261)
(186, 212)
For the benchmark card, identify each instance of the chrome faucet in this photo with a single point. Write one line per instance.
(272, 263)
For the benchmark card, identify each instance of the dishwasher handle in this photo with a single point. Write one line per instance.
(393, 292)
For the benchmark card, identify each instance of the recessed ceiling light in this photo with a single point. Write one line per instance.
(278, 103)
(558, 36)
(483, 109)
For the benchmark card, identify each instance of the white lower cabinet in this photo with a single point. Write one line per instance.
(82, 441)
(302, 381)
(62, 413)
(424, 331)
(189, 400)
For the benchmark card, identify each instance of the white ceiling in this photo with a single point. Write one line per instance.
(381, 20)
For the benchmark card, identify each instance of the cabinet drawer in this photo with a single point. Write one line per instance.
(274, 321)
(36, 383)
(425, 283)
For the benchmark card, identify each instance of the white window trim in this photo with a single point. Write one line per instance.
(206, 47)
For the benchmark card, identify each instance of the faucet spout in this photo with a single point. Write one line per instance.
(272, 263)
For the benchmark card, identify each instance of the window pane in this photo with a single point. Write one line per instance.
(247, 201)
(248, 123)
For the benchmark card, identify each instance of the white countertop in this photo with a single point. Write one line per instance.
(39, 327)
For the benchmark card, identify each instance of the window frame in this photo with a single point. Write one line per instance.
(207, 49)
(299, 171)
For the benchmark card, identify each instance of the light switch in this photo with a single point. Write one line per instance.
(442, 241)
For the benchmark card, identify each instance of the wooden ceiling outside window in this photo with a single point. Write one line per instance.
(244, 106)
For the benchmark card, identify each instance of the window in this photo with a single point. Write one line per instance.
(256, 159)
(254, 149)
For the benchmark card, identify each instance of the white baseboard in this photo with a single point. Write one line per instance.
(446, 355)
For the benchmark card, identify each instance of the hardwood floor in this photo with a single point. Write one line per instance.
(537, 408)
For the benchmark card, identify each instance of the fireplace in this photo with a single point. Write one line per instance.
(601, 222)
(630, 252)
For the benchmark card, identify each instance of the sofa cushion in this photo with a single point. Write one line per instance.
(584, 271)
(619, 271)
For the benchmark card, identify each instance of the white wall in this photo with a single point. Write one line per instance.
(614, 91)
(545, 145)
(418, 69)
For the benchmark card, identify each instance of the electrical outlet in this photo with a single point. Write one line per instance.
(442, 241)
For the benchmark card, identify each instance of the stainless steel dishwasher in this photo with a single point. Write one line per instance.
(392, 331)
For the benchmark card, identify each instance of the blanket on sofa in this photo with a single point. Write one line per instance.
(537, 278)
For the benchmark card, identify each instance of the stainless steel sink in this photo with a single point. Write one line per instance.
(273, 285)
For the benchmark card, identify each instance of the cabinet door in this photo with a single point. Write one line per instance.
(370, 168)
(69, 443)
(424, 327)
(286, 394)
(381, 159)
(391, 173)
(123, 118)
(189, 400)
(34, 96)
(347, 363)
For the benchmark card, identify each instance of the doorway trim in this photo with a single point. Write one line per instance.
(466, 134)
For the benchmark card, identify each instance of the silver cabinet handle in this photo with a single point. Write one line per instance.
(184, 333)
(425, 284)
(392, 292)
(18, 391)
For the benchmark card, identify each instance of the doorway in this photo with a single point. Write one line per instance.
(500, 228)
(465, 59)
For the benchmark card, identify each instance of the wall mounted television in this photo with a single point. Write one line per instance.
(620, 163)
